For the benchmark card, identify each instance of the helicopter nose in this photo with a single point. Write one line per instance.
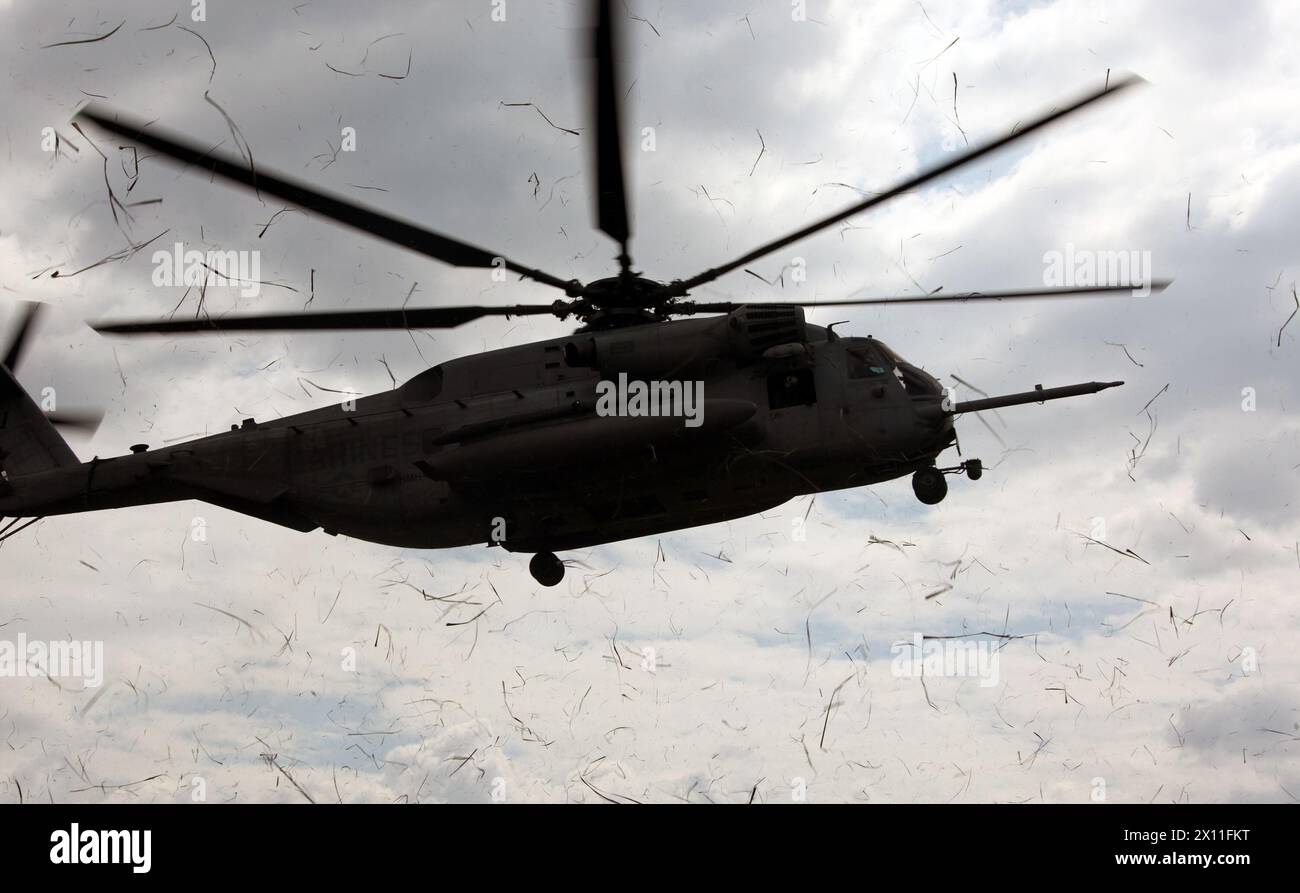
(918, 382)
(929, 399)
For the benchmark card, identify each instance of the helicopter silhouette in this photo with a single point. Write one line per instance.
(658, 413)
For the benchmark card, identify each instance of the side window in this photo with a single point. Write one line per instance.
(791, 387)
(863, 363)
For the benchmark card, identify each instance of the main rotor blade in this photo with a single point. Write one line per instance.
(1083, 291)
(681, 287)
(83, 421)
(606, 101)
(410, 318)
(236, 170)
(27, 316)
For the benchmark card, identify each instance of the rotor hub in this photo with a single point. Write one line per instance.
(624, 291)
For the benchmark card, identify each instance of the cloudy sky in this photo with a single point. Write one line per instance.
(729, 662)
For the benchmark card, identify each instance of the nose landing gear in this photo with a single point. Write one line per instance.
(929, 485)
(546, 568)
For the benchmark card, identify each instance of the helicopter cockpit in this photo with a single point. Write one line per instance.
(864, 362)
(871, 358)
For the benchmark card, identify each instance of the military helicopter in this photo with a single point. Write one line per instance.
(658, 413)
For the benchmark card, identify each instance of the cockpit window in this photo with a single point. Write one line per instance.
(890, 357)
(863, 363)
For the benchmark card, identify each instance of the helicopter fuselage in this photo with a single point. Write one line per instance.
(516, 447)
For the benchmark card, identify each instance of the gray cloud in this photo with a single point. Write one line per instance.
(551, 690)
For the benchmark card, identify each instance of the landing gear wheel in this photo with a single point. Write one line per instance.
(974, 469)
(546, 568)
(929, 486)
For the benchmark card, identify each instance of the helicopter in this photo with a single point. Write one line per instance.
(658, 413)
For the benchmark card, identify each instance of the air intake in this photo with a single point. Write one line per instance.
(754, 328)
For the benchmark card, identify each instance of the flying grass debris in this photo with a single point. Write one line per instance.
(68, 43)
(515, 105)
(1289, 318)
